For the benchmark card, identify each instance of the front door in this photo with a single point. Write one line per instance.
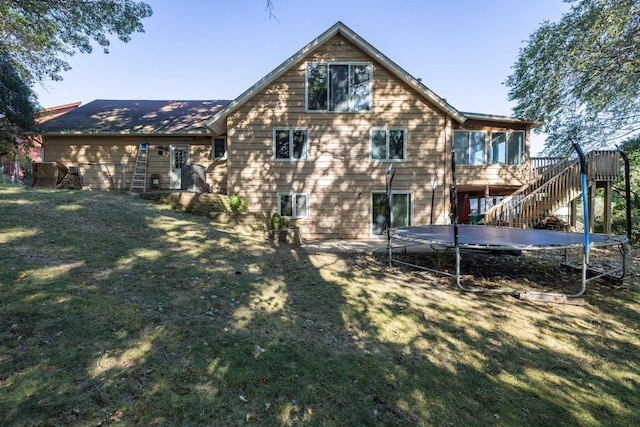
(179, 157)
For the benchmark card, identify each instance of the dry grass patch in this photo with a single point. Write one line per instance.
(116, 311)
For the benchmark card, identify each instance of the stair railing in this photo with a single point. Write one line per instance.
(556, 182)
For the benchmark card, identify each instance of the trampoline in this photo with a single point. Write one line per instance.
(490, 238)
(462, 237)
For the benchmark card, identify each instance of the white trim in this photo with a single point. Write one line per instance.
(293, 204)
(387, 129)
(405, 192)
(213, 148)
(305, 151)
(468, 147)
(349, 64)
(508, 133)
(218, 123)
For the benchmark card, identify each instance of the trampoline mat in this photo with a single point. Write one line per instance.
(498, 237)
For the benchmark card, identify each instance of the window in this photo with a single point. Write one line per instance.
(293, 205)
(401, 210)
(290, 143)
(507, 147)
(339, 86)
(388, 143)
(470, 147)
(219, 148)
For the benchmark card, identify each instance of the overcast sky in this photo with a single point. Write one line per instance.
(216, 49)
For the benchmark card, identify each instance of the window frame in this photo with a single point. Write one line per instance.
(291, 130)
(469, 161)
(508, 135)
(213, 148)
(294, 205)
(410, 211)
(388, 130)
(351, 90)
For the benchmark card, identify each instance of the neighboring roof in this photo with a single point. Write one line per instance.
(217, 123)
(135, 117)
(53, 112)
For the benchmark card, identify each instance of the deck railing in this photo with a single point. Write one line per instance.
(555, 182)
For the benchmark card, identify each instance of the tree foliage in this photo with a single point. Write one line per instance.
(580, 77)
(619, 219)
(17, 105)
(40, 34)
(37, 37)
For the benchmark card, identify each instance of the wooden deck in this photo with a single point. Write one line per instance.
(555, 182)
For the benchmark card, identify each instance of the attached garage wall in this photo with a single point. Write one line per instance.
(100, 156)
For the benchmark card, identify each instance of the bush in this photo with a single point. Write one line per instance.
(238, 204)
(619, 222)
(277, 222)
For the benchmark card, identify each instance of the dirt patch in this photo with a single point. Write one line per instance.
(532, 271)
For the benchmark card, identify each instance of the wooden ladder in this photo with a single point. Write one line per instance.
(139, 179)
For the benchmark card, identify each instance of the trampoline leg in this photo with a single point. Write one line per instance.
(457, 251)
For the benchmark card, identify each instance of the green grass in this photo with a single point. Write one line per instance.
(116, 311)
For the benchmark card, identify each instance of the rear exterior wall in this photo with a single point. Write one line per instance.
(338, 175)
(116, 154)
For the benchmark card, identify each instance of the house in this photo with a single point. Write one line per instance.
(102, 138)
(313, 140)
(30, 149)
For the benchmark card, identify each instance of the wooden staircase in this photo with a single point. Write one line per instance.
(555, 183)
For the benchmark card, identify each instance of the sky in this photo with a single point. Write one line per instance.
(463, 50)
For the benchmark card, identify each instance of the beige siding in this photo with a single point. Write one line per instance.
(338, 174)
(100, 157)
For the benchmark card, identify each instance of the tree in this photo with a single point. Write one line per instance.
(36, 37)
(40, 34)
(580, 77)
(17, 104)
(619, 219)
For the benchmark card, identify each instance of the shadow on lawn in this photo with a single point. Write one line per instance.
(165, 320)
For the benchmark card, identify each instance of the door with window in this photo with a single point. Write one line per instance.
(401, 211)
(179, 156)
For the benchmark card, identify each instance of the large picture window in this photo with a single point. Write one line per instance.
(290, 143)
(470, 147)
(293, 205)
(507, 147)
(401, 211)
(388, 143)
(339, 86)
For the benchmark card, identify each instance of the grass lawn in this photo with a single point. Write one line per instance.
(117, 311)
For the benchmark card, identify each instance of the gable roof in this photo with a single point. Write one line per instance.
(217, 123)
(53, 112)
(135, 117)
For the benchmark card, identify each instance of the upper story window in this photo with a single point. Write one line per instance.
(290, 143)
(339, 86)
(470, 147)
(507, 147)
(388, 143)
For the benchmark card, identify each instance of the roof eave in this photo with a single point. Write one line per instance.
(218, 124)
(498, 118)
(132, 134)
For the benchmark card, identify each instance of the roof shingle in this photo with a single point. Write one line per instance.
(136, 117)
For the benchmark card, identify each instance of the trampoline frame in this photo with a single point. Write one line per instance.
(412, 239)
(589, 240)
